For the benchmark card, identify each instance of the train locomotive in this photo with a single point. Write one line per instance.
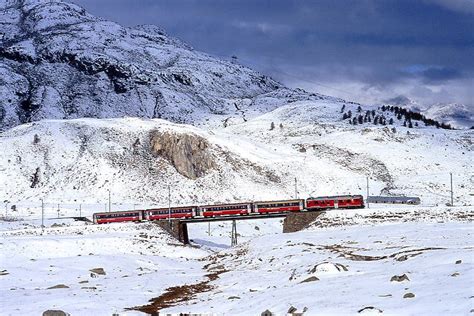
(233, 209)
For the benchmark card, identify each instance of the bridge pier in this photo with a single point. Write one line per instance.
(233, 238)
(183, 233)
(178, 229)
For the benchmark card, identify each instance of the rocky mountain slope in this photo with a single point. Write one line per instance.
(57, 61)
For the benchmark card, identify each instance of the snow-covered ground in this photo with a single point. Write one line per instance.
(259, 140)
(341, 264)
(139, 261)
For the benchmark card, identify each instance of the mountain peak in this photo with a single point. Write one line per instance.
(57, 61)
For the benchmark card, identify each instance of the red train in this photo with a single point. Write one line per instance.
(203, 211)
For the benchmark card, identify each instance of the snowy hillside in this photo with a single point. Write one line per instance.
(458, 115)
(57, 61)
(79, 161)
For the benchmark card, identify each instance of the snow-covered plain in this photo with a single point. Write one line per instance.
(347, 265)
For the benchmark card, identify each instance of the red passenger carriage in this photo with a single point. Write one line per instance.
(278, 206)
(328, 202)
(112, 217)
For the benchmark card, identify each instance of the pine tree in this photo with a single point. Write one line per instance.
(343, 108)
(344, 116)
(361, 119)
(349, 114)
(272, 126)
(359, 109)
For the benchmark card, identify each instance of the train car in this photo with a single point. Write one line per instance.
(278, 206)
(413, 200)
(331, 202)
(114, 217)
(165, 213)
(224, 209)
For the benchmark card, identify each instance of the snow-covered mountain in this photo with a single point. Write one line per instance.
(57, 61)
(455, 114)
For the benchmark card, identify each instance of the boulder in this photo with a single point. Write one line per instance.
(310, 279)
(53, 312)
(399, 278)
(99, 271)
(59, 286)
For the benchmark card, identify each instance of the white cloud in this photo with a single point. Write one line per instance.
(463, 6)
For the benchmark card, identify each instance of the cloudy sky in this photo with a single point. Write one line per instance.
(364, 50)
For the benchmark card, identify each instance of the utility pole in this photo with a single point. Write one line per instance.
(233, 241)
(451, 180)
(109, 202)
(42, 214)
(6, 208)
(80, 210)
(169, 205)
(368, 206)
(58, 210)
(209, 228)
(296, 188)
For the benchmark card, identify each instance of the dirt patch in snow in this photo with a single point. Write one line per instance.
(178, 294)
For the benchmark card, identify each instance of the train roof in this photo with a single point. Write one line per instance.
(335, 197)
(173, 208)
(279, 201)
(225, 204)
(116, 212)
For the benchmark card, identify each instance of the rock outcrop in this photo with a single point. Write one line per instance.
(190, 154)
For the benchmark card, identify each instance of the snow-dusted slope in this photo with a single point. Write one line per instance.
(456, 114)
(57, 61)
(71, 161)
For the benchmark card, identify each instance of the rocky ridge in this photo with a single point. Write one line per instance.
(104, 70)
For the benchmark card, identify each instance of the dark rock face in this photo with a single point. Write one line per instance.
(57, 61)
(190, 154)
(297, 221)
